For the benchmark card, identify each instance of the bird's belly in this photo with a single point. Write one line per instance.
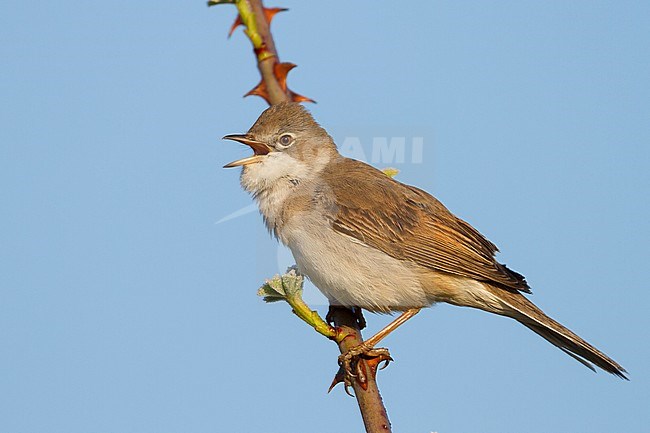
(350, 273)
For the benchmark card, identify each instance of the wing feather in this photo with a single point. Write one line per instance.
(409, 224)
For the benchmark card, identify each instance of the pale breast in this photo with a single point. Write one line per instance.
(348, 272)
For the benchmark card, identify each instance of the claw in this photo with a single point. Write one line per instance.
(380, 361)
(347, 387)
(340, 377)
(356, 362)
(345, 362)
(385, 362)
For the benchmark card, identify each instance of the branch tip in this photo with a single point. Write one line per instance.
(220, 2)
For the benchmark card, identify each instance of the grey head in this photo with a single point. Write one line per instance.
(287, 129)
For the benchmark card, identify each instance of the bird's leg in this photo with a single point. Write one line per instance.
(329, 317)
(357, 311)
(383, 333)
(349, 360)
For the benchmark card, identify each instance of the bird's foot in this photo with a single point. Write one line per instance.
(352, 367)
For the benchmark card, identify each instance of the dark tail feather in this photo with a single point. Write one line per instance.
(578, 348)
(554, 332)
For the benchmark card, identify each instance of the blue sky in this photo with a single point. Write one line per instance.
(125, 306)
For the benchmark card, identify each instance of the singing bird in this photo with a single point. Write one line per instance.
(368, 241)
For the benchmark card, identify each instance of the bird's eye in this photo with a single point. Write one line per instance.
(285, 140)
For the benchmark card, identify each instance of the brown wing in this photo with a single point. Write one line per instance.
(409, 224)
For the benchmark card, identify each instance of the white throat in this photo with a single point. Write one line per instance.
(272, 181)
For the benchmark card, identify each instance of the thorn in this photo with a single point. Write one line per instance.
(238, 22)
(339, 377)
(379, 363)
(299, 98)
(281, 71)
(270, 13)
(261, 91)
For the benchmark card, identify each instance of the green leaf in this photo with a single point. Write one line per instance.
(281, 288)
(272, 290)
(292, 283)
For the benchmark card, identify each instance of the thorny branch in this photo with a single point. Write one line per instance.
(346, 331)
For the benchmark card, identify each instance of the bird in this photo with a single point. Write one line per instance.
(368, 241)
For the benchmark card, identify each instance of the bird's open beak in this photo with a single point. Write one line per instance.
(260, 149)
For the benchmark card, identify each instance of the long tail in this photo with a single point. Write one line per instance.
(521, 309)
